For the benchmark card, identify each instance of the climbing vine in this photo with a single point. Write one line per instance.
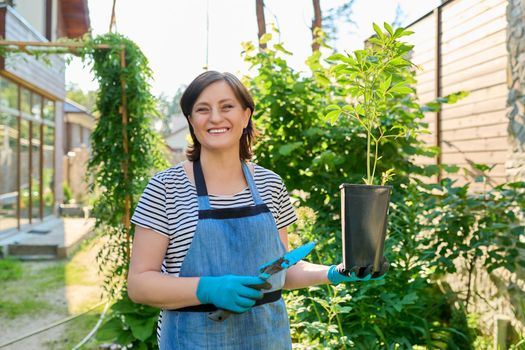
(120, 168)
(125, 151)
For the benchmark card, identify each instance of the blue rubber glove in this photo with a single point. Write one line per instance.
(337, 274)
(229, 292)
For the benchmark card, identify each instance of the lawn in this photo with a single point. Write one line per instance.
(36, 294)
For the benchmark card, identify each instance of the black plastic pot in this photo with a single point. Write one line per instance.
(364, 217)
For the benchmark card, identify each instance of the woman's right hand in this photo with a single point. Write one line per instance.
(229, 292)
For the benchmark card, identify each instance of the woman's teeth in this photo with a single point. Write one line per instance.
(217, 131)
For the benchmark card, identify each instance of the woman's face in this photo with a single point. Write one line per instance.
(218, 118)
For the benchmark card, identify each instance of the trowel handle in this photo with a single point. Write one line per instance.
(221, 314)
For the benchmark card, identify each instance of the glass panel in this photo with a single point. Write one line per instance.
(8, 93)
(25, 100)
(49, 110)
(75, 135)
(24, 171)
(8, 171)
(86, 138)
(48, 177)
(35, 171)
(36, 106)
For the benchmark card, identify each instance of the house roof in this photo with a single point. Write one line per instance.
(178, 124)
(75, 14)
(77, 114)
(73, 107)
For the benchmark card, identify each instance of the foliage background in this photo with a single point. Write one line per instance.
(412, 306)
(428, 234)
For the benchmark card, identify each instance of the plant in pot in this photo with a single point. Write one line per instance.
(370, 80)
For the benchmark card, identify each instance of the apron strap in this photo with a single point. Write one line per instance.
(200, 185)
(251, 183)
(202, 190)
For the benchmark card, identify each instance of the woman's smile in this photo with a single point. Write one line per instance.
(218, 131)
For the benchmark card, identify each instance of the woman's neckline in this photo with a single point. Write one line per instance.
(187, 179)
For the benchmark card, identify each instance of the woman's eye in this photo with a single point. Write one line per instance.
(201, 110)
(227, 107)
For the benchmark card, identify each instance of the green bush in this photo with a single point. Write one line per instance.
(411, 307)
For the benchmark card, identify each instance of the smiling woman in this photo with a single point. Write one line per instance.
(206, 225)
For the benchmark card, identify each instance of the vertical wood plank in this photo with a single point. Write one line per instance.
(18, 157)
(438, 88)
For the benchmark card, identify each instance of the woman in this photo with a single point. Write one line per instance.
(193, 253)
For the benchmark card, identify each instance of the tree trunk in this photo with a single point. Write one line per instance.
(113, 19)
(261, 23)
(316, 23)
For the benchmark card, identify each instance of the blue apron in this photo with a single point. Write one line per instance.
(230, 241)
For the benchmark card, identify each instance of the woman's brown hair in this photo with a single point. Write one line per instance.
(192, 93)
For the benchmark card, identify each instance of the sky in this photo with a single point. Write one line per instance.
(176, 34)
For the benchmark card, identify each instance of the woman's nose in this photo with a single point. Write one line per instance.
(215, 114)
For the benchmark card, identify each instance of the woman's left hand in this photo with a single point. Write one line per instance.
(337, 274)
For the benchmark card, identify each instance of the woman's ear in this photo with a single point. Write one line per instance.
(247, 117)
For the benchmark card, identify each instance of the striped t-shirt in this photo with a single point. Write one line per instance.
(169, 206)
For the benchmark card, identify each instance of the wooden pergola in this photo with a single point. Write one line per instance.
(72, 48)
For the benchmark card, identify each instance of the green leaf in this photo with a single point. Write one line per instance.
(401, 89)
(289, 148)
(479, 179)
(482, 167)
(110, 330)
(451, 169)
(336, 57)
(322, 79)
(378, 30)
(405, 33)
(400, 62)
(455, 97)
(265, 38)
(332, 116)
(388, 28)
(279, 47)
(343, 309)
(375, 41)
(142, 329)
(333, 107)
(372, 59)
(125, 338)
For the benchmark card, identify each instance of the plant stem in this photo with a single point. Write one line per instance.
(470, 272)
(315, 307)
(375, 158)
(332, 311)
(369, 178)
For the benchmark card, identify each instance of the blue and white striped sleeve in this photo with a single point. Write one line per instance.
(286, 212)
(151, 208)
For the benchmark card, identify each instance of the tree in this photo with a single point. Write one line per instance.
(344, 13)
(400, 17)
(85, 99)
(261, 22)
(168, 109)
(316, 25)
